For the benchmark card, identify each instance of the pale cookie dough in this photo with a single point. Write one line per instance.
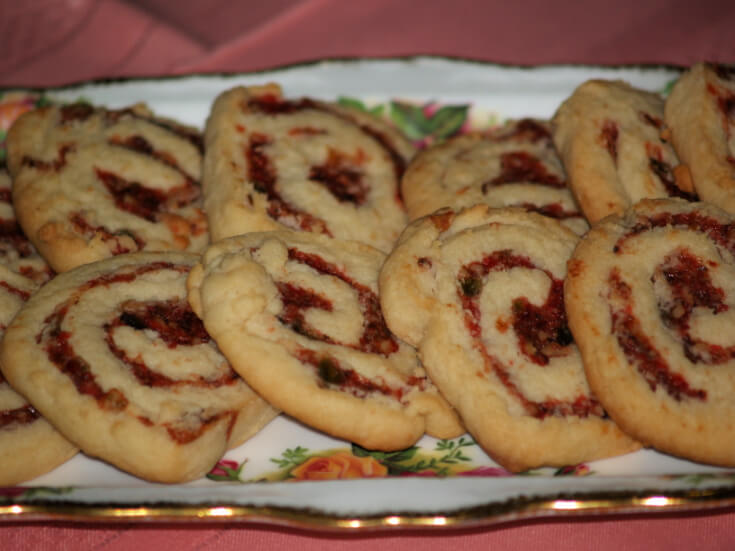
(513, 165)
(479, 292)
(29, 445)
(274, 163)
(651, 302)
(701, 114)
(113, 356)
(90, 183)
(298, 316)
(613, 143)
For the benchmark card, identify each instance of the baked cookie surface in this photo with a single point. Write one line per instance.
(611, 140)
(113, 356)
(650, 298)
(274, 163)
(514, 165)
(298, 316)
(90, 183)
(480, 293)
(700, 114)
(29, 445)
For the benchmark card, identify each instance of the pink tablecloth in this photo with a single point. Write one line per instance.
(52, 42)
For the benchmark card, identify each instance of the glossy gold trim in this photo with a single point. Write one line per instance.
(519, 508)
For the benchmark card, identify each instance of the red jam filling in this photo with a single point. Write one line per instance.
(140, 145)
(722, 234)
(182, 435)
(145, 202)
(375, 338)
(273, 105)
(187, 134)
(341, 177)
(542, 331)
(172, 320)
(55, 165)
(332, 373)
(23, 295)
(263, 175)
(651, 120)
(639, 350)
(75, 112)
(691, 287)
(175, 324)
(519, 166)
(665, 174)
(295, 301)
(609, 137)
(552, 210)
(19, 416)
(111, 239)
(424, 262)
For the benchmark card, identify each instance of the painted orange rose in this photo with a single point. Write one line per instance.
(339, 466)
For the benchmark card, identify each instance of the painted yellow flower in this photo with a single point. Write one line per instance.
(339, 465)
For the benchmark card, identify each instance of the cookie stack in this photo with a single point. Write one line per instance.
(558, 288)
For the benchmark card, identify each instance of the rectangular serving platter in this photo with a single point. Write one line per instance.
(437, 484)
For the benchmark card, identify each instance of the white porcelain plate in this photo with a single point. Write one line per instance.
(291, 475)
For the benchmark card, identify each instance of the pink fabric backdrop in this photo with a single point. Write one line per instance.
(53, 42)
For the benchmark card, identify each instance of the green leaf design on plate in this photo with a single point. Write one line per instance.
(410, 119)
(227, 471)
(420, 122)
(29, 492)
(291, 457)
(448, 120)
(446, 455)
(354, 103)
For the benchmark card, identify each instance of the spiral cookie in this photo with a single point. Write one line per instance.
(515, 165)
(298, 316)
(29, 446)
(113, 356)
(701, 114)
(479, 292)
(612, 141)
(650, 302)
(273, 163)
(90, 183)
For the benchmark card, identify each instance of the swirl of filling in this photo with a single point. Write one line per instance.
(137, 335)
(142, 172)
(689, 294)
(302, 164)
(373, 337)
(540, 330)
(514, 165)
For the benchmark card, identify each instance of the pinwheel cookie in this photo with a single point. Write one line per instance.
(479, 292)
(298, 316)
(650, 299)
(113, 356)
(273, 163)
(701, 116)
(29, 445)
(90, 183)
(613, 143)
(513, 165)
